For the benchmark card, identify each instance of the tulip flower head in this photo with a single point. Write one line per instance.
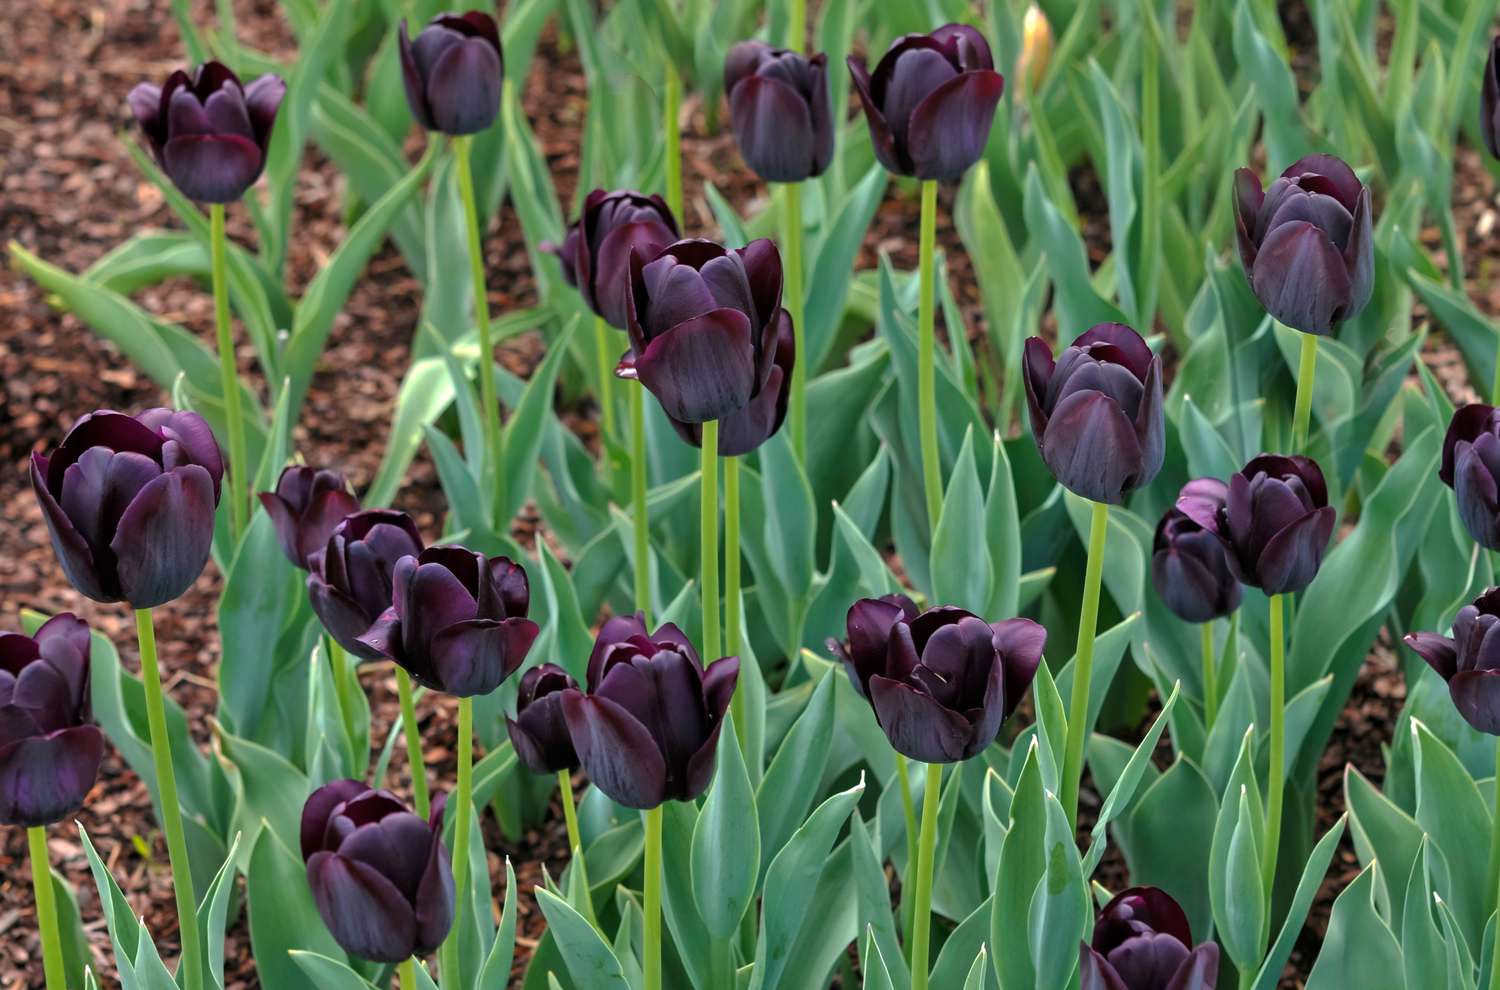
(381, 877)
(1306, 242)
(941, 682)
(49, 749)
(1096, 411)
(778, 103)
(930, 102)
(349, 581)
(703, 324)
(1142, 941)
(452, 72)
(1469, 661)
(129, 503)
(457, 621)
(648, 729)
(209, 134)
(743, 431)
(1489, 101)
(1471, 467)
(1188, 567)
(539, 732)
(306, 507)
(1275, 522)
(595, 255)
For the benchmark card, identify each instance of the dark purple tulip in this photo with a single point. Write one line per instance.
(941, 682)
(1275, 524)
(1306, 242)
(778, 103)
(1096, 411)
(1142, 942)
(381, 876)
(129, 502)
(539, 732)
(457, 621)
(1187, 562)
(595, 255)
(744, 431)
(209, 134)
(1470, 661)
(452, 72)
(349, 581)
(703, 323)
(1489, 101)
(648, 729)
(306, 507)
(1471, 467)
(49, 751)
(930, 101)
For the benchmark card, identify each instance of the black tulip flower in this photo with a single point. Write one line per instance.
(930, 102)
(595, 255)
(49, 751)
(210, 134)
(1096, 411)
(452, 72)
(1142, 942)
(1471, 467)
(349, 581)
(306, 507)
(703, 324)
(1187, 561)
(129, 503)
(744, 431)
(457, 621)
(648, 729)
(1306, 242)
(380, 876)
(941, 682)
(778, 103)
(1489, 101)
(1275, 523)
(1469, 661)
(539, 732)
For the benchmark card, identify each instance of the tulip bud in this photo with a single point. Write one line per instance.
(1489, 101)
(595, 255)
(778, 103)
(1096, 411)
(207, 132)
(349, 581)
(743, 431)
(1471, 467)
(930, 102)
(1470, 661)
(1275, 524)
(129, 503)
(1036, 47)
(306, 507)
(539, 732)
(457, 621)
(1142, 941)
(380, 876)
(648, 729)
(49, 749)
(1187, 563)
(703, 324)
(941, 682)
(1306, 242)
(452, 72)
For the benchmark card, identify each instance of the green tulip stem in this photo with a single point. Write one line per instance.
(932, 479)
(1276, 772)
(462, 805)
(708, 540)
(413, 743)
(1492, 896)
(909, 813)
(1210, 675)
(1307, 369)
(794, 297)
(926, 848)
(671, 108)
(639, 513)
(46, 909)
(606, 372)
(796, 26)
(408, 973)
(171, 807)
(732, 620)
(575, 842)
(1083, 665)
(652, 962)
(237, 473)
(488, 403)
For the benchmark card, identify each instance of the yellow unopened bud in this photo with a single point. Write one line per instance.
(1036, 47)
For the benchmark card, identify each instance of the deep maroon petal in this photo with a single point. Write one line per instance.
(395, 847)
(43, 779)
(473, 657)
(1020, 643)
(774, 129)
(701, 369)
(1095, 972)
(1291, 559)
(320, 806)
(463, 87)
(1091, 448)
(1301, 279)
(1440, 652)
(436, 896)
(1248, 197)
(617, 751)
(343, 619)
(1477, 493)
(363, 910)
(950, 128)
(263, 99)
(915, 74)
(411, 77)
(881, 137)
(164, 537)
(1200, 971)
(1339, 179)
(1476, 695)
(213, 168)
(145, 104)
(916, 725)
(73, 551)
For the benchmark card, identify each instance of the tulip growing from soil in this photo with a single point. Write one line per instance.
(1142, 942)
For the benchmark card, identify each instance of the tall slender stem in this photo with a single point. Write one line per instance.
(639, 513)
(462, 806)
(732, 619)
(708, 538)
(794, 297)
(932, 479)
(796, 28)
(909, 814)
(237, 472)
(1276, 772)
(413, 743)
(46, 909)
(1083, 664)
(1492, 896)
(1307, 368)
(652, 962)
(489, 404)
(671, 108)
(575, 842)
(926, 847)
(171, 807)
(408, 973)
(606, 372)
(1210, 675)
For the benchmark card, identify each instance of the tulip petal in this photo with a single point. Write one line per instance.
(1020, 643)
(473, 657)
(1095, 972)
(1300, 278)
(463, 87)
(437, 897)
(45, 778)
(263, 99)
(703, 368)
(145, 104)
(1200, 971)
(211, 168)
(72, 549)
(411, 77)
(344, 620)
(164, 537)
(1292, 557)
(1091, 448)
(617, 751)
(1329, 174)
(1440, 652)
(950, 127)
(880, 131)
(363, 910)
(916, 725)
(1476, 695)
(1477, 495)
(386, 846)
(1150, 426)
(320, 807)
(773, 127)
(1248, 198)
